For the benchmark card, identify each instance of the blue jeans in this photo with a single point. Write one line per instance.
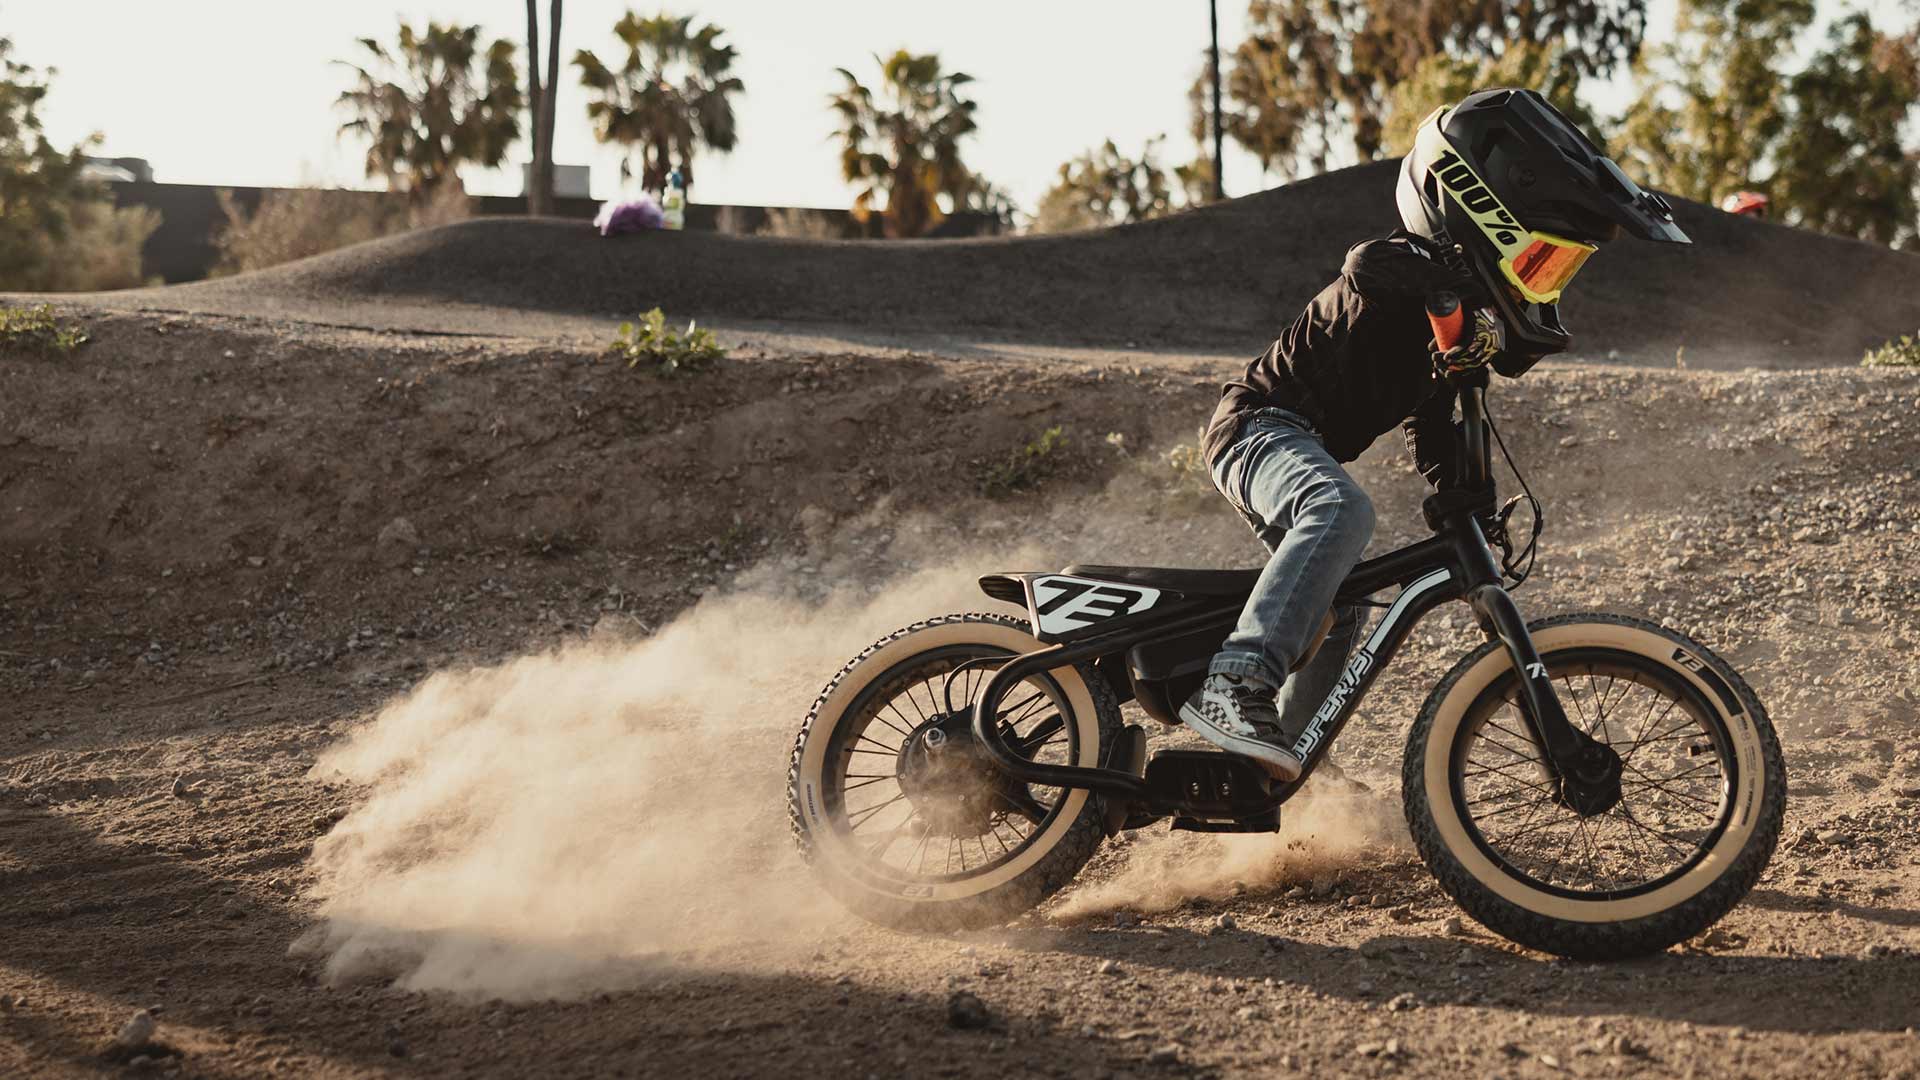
(1315, 522)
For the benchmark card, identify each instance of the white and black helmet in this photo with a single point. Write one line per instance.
(1507, 184)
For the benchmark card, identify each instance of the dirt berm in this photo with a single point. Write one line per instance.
(1225, 277)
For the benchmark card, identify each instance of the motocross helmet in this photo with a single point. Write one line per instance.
(1513, 194)
(1746, 204)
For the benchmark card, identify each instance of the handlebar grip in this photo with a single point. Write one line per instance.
(1449, 319)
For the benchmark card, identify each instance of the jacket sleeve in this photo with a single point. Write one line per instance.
(1433, 441)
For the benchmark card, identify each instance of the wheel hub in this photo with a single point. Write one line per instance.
(1593, 787)
(947, 775)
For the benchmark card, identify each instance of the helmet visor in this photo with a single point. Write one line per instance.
(1544, 265)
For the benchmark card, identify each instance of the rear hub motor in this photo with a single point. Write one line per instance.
(949, 778)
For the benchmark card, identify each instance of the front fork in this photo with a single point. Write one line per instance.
(1587, 771)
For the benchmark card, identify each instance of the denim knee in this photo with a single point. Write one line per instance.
(1347, 508)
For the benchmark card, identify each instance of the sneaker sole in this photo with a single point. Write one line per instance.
(1278, 763)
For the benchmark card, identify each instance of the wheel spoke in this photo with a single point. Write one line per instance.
(1042, 734)
(886, 839)
(867, 813)
(878, 743)
(1022, 802)
(920, 851)
(1022, 710)
(1516, 753)
(1652, 724)
(1666, 800)
(904, 732)
(1502, 770)
(1630, 818)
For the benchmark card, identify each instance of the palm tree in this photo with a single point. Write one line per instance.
(433, 104)
(905, 147)
(541, 101)
(670, 97)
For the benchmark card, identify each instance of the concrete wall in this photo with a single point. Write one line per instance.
(182, 248)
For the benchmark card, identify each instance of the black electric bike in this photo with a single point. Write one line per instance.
(1591, 785)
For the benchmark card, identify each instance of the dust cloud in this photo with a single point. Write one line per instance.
(560, 822)
(1328, 827)
(567, 822)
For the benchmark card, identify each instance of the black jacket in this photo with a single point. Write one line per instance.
(1355, 362)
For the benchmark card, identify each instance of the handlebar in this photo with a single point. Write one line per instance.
(1448, 318)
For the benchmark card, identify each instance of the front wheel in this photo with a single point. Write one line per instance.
(1703, 791)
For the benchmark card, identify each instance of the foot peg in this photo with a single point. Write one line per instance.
(1214, 792)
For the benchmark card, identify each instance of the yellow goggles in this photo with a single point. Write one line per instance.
(1542, 264)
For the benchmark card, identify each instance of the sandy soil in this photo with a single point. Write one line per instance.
(387, 704)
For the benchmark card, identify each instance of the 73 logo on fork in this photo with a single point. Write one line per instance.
(1064, 604)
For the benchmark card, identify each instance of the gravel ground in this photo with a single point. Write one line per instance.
(236, 554)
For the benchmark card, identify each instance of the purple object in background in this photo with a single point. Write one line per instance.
(629, 215)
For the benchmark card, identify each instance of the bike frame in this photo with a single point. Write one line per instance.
(1456, 563)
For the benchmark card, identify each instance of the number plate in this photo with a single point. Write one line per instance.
(1062, 604)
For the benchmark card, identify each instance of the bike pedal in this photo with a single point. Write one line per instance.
(1207, 785)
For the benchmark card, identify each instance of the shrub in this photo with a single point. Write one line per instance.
(1024, 468)
(103, 249)
(95, 248)
(1188, 463)
(58, 230)
(664, 350)
(302, 222)
(37, 329)
(1901, 352)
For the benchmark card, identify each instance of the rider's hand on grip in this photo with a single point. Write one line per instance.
(1482, 339)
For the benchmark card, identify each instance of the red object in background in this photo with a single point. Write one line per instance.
(1746, 204)
(1449, 319)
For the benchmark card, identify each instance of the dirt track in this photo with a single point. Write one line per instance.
(1224, 278)
(235, 550)
(144, 644)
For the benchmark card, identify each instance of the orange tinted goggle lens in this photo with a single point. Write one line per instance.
(1545, 267)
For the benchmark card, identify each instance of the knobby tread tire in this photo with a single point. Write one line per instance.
(1053, 872)
(1597, 940)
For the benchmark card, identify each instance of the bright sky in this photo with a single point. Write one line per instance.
(240, 91)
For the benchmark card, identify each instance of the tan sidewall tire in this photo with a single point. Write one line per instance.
(830, 852)
(1748, 798)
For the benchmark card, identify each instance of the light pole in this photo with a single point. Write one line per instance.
(1219, 177)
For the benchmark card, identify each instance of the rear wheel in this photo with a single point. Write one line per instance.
(897, 809)
(1703, 791)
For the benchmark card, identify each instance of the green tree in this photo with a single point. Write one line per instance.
(900, 141)
(1442, 80)
(1718, 111)
(1710, 105)
(1845, 165)
(670, 97)
(1316, 74)
(1105, 187)
(433, 104)
(58, 231)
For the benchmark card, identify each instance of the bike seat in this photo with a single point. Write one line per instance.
(1189, 582)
